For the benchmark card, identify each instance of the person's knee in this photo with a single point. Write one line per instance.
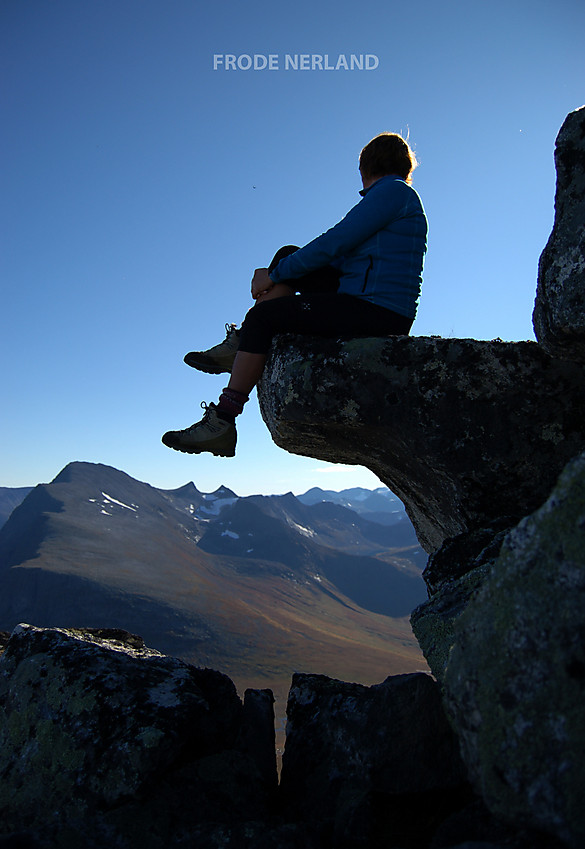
(287, 250)
(264, 319)
(254, 317)
(279, 290)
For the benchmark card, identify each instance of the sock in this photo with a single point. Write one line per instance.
(231, 404)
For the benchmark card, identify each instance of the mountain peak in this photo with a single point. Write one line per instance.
(223, 492)
(82, 472)
(185, 491)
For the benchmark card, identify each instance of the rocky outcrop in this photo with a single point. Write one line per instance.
(107, 742)
(360, 770)
(104, 742)
(453, 574)
(464, 432)
(559, 310)
(504, 626)
(515, 677)
(473, 437)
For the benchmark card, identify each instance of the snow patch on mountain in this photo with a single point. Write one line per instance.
(307, 532)
(108, 498)
(214, 505)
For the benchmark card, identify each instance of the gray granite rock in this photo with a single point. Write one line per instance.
(104, 741)
(453, 574)
(433, 622)
(464, 432)
(515, 678)
(559, 310)
(370, 766)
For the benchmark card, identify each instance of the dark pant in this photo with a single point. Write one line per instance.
(316, 311)
(324, 279)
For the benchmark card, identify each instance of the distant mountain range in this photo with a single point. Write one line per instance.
(377, 505)
(256, 586)
(11, 498)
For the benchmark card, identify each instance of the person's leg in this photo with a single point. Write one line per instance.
(325, 279)
(216, 432)
(247, 367)
(318, 314)
(312, 315)
(246, 372)
(220, 358)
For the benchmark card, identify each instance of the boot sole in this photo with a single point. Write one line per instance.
(231, 452)
(206, 367)
(203, 451)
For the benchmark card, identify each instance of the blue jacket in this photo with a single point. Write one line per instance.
(379, 248)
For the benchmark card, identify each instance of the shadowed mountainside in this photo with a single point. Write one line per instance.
(257, 587)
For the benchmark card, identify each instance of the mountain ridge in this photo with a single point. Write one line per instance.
(10, 498)
(380, 502)
(96, 548)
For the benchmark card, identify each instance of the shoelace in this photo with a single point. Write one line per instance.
(214, 427)
(208, 411)
(205, 420)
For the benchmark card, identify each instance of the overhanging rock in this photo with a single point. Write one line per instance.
(463, 431)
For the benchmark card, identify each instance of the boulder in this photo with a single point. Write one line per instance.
(370, 766)
(464, 432)
(559, 310)
(104, 741)
(453, 574)
(514, 683)
(433, 622)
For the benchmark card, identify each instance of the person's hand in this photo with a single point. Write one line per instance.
(261, 283)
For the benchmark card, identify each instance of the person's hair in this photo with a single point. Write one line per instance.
(388, 153)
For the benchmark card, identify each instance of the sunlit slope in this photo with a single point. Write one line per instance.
(97, 548)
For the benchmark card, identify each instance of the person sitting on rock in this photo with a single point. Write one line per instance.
(360, 278)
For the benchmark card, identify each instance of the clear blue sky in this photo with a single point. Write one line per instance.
(140, 188)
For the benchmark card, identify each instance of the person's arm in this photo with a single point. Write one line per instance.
(261, 283)
(263, 288)
(382, 204)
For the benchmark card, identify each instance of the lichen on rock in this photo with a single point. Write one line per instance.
(515, 678)
(462, 431)
(104, 740)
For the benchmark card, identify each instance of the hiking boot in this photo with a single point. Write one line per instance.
(212, 434)
(218, 359)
